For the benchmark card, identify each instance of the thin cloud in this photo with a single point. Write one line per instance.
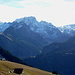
(11, 3)
(24, 3)
(34, 3)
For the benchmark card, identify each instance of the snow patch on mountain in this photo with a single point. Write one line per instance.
(4, 26)
(44, 28)
(17, 25)
(68, 29)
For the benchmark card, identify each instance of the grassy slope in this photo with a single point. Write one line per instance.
(6, 66)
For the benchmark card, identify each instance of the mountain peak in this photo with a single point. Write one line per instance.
(25, 19)
(44, 22)
(30, 17)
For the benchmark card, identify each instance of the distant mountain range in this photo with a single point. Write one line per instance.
(68, 29)
(4, 26)
(24, 41)
(45, 29)
(26, 36)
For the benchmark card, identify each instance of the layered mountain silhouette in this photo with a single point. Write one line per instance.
(26, 37)
(22, 42)
(58, 57)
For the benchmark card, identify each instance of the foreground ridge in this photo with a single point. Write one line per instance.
(7, 66)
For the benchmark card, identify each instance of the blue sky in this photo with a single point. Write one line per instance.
(58, 12)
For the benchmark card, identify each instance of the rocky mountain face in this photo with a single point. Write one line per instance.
(21, 41)
(58, 57)
(43, 28)
(4, 26)
(68, 29)
(26, 36)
